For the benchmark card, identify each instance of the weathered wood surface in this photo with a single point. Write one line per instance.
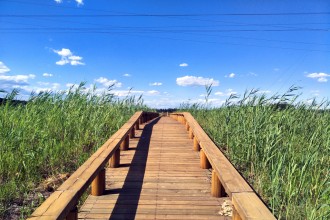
(159, 177)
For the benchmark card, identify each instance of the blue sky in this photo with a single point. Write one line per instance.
(166, 50)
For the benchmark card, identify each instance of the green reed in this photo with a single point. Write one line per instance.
(280, 145)
(54, 133)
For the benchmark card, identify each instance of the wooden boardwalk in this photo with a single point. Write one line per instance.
(159, 177)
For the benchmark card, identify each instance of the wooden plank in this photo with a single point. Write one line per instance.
(161, 179)
(249, 206)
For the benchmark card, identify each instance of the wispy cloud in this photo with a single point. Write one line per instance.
(47, 75)
(107, 82)
(252, 74)
(12, 80)
(17, 78)
(123, 93)
(67, 57)
(321, 77)
(44, 87)
(183, 64)
(264, 91)
(155, 84)
(127, 75)
(196, 81)
(3, 68)
(228, 92)
(152, 92)
(79, 2)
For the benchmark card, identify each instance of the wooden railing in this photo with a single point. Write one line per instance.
(226, 180)
(62, 204)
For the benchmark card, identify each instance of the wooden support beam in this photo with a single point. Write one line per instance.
(98, 184)
(197, 147)
(217, 189)
(115, 159)
(124, 145)
(205, 164)
(73, 214)
(132, 133)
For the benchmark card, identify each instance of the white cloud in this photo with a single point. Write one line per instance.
(64, 52)
(152, 92)
(196, 81)
(107, 82)
(122, 93)
(231, 75)
(75, 63)
(276, 69)
(79, 2)
(227, 93)
(155, 84)
(67, 57)
(62, 62)
(315, 92)
(17, 78)
(127, 75)
(220, 94)
(321, 77)
(75, 57)
(231, 92)
(47, 75)
(3, 68)
(183, 64)
(48, 87)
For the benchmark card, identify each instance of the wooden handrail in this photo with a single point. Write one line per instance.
(226, 180)
(62, 203)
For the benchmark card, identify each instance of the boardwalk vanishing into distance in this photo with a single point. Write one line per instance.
(156, 168)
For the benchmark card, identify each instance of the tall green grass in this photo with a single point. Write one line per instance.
(53, 133)
(280, 145)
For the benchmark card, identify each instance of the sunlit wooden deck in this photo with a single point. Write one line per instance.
(159, 177)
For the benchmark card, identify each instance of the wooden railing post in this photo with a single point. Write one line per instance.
(136, 126)
(205, 164)
(98, 184)
(115, 159)
(187, 126)
(235, 214)
(132, 133)
(73, 214)
(124, 145)
(191, 134)
(197, 147)
(217, 189)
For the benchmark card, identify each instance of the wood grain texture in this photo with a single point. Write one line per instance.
(159, 178)
(249, 206)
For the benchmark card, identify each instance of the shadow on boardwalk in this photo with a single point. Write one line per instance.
(132, 187)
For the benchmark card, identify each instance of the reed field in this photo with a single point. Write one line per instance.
(281, 146)
(52, 134)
